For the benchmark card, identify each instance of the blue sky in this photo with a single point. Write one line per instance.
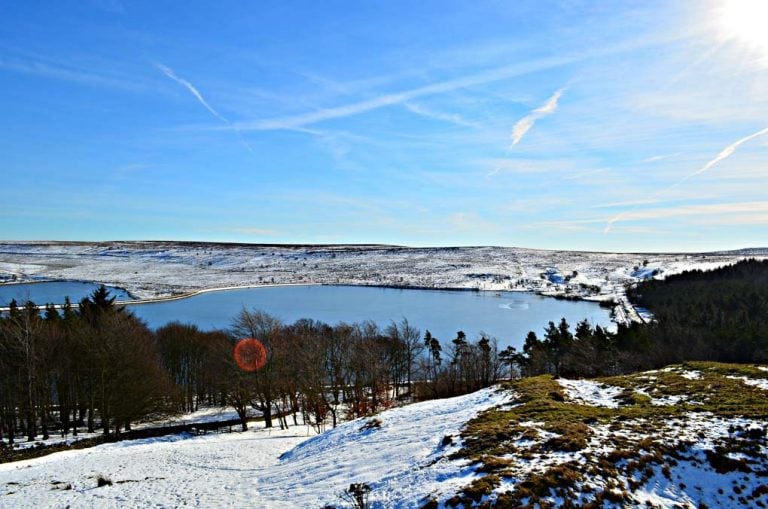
(595, 125)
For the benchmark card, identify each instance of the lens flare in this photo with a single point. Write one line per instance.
(250, 355)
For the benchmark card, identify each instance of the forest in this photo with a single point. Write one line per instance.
(719, 315)
(96, 367)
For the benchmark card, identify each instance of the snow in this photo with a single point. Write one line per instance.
(164, 472)
(210, 414)
(761, 383)
(668, 400)
(398, 452)
(645, 272)
(204, 414)
(587, 392)
(402, 459)
(691, 479)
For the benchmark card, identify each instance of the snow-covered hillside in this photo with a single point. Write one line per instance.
(161, 269)
(690, 436)
(400, 453)
(685, 436)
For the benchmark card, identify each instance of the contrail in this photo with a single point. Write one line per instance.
(726, 152)
(189, 86)
(524, 124)
(723, 154)
(489, 76)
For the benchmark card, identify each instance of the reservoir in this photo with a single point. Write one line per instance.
(507, 316)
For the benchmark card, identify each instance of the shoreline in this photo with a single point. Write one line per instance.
(626, 312)
(163, 272)
(151, 300)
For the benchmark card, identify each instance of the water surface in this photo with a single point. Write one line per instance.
(508, 316)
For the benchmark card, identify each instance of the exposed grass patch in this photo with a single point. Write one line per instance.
(605, 468)
(481, 488)
(630, 397)
(102, 481)
(749, 370)
(372, 424)
(712, 392)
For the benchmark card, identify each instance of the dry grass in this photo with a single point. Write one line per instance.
(545, 424)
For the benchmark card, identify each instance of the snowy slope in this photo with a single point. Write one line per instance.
(690, 436)
(698, 439)
(402, 460)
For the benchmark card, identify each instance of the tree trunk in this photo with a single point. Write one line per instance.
(10, 430)
(90, 417)
(242, 414)
(44, 423)
(333, 415)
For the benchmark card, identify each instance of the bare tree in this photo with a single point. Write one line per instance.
(24, 332)
(410, 346)
(265, 381)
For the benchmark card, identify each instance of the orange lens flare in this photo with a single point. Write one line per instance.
(250, 354)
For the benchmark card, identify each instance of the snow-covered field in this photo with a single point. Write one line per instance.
(163, 269)
(204, 415)
(587, 392)
(681, 455)
(399, 453)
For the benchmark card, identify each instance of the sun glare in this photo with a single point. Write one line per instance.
(745, 22)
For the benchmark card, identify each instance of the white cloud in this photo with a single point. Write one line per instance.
(519, 166)
(313, 117)
(492, 75)
(521, 128)
(723, 154)
(452, 118)
(627, 203)
(661, 157)
(586, 173)
(526, 123)
(550, 106)
(739, 219)
(294, 122)
(66, 73)
(715, 209)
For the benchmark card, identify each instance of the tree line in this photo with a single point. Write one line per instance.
(95, 366)
(719, 315)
